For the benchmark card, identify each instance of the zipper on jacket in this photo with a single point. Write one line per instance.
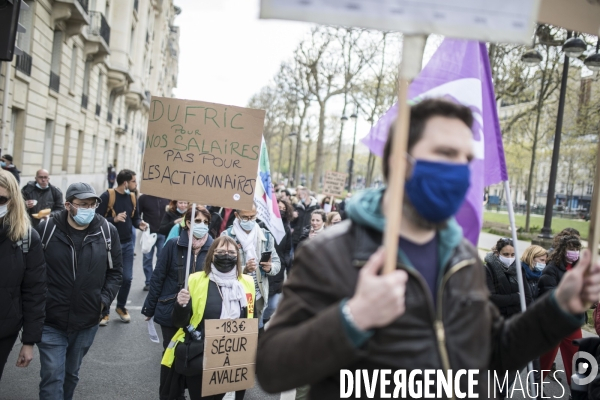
(72, 245)
(437, 318)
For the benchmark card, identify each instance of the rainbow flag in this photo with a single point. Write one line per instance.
(264, 197)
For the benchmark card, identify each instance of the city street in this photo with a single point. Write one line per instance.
(124, 364)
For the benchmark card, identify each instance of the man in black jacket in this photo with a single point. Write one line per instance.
(41, 195)
(83, 255)
(6, 162)
(152, 210)
(119, 207)
(304, 209)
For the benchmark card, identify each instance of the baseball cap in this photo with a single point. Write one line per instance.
(82, 191)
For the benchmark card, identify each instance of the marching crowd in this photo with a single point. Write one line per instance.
(65, 260)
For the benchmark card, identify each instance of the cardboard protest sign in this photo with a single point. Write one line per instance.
(494, 21)
(334, 183)
(229, 355)
(202, 152)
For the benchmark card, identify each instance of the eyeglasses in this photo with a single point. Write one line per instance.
(246, 219)
(85, 206)
(225, 253)
(4, 200)
(43, 177)
(205, 222)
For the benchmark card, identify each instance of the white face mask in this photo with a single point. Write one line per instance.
(539, 266)
(507, 260)
(3, 210)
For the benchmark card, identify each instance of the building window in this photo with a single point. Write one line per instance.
(66, 149)
(55, 62)
(73, 69)
(105, 154)
(80, 145)
(99, 94)
(49, 133)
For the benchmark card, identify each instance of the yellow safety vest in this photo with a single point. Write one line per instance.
(198, 288)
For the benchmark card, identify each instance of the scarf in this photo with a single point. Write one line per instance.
(532, 275)
(248, 240)
(232, 292)
(314, 233)
(198, 243)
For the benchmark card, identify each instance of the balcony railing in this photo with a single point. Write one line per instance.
(54, 81)
(24, 63)
(98, 109)
(84, 4)
(136, 4)
(109, 117)
(84, 101)
(99, 26)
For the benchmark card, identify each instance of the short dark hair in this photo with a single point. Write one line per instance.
(420, 113)
(199, 210)
(502, 243)
(125, 175)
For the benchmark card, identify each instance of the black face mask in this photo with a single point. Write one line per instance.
(224, 263)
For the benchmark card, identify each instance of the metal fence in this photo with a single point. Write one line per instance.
(99, 26)
(24, 61)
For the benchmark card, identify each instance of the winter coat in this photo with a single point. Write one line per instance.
(80, 289)
(303, 220)
(503, 286)
(551, 277)
(164, 284)
(265, 242)
(152, 211)
(15, 171)
(168, 221)
(22, 288)
(283, 249)
(51, 198)
(308, 341)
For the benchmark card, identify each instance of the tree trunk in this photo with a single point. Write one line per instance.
(339, 149)
(533, 151)
(319, 154)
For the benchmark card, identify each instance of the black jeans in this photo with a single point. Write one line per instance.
(167, 333)
(6, 345)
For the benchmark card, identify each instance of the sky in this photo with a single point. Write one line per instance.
(227, 53)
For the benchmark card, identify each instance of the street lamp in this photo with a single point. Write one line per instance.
(339, 152)
(571, 48)
(593, 60)
(351, 166)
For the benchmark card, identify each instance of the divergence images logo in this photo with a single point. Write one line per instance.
(583, 367)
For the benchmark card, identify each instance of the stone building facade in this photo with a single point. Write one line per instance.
(79, 94)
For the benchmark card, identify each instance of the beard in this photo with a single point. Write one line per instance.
(410, 213)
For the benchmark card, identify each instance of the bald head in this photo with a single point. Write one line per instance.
(42, 178)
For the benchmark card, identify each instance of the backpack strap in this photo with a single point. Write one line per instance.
(134, 202)
(45, 243)
(108, 242)
(24, 243)
(111, 203)
(180, 267)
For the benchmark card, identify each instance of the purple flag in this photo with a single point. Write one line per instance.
(460, 71)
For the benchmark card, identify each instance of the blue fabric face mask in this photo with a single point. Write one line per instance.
(39, 187)
(2, 164)
(84, 216)
(200, 230)
(436, 189)
(181, 212)
(247, 225)
(127, 191)
(540, 266)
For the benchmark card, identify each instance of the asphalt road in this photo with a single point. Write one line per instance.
(124, 364)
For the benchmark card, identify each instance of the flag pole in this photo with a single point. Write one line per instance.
(412, 57)
(189, 250)
(520, 281)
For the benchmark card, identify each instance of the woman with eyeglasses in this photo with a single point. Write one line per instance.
(564, 257)
(501, 278)
(23, 283)
(219, 291)
(169, 274)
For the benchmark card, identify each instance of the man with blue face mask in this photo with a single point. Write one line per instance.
(254, 241)
(39, 195)
(433, 312)
(84, 273)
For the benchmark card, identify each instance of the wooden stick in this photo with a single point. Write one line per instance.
(189, 250)
(594, 235)
(410, 67)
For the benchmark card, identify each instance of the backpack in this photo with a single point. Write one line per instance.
(111, 202)
(107, 241)
(24, 243)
